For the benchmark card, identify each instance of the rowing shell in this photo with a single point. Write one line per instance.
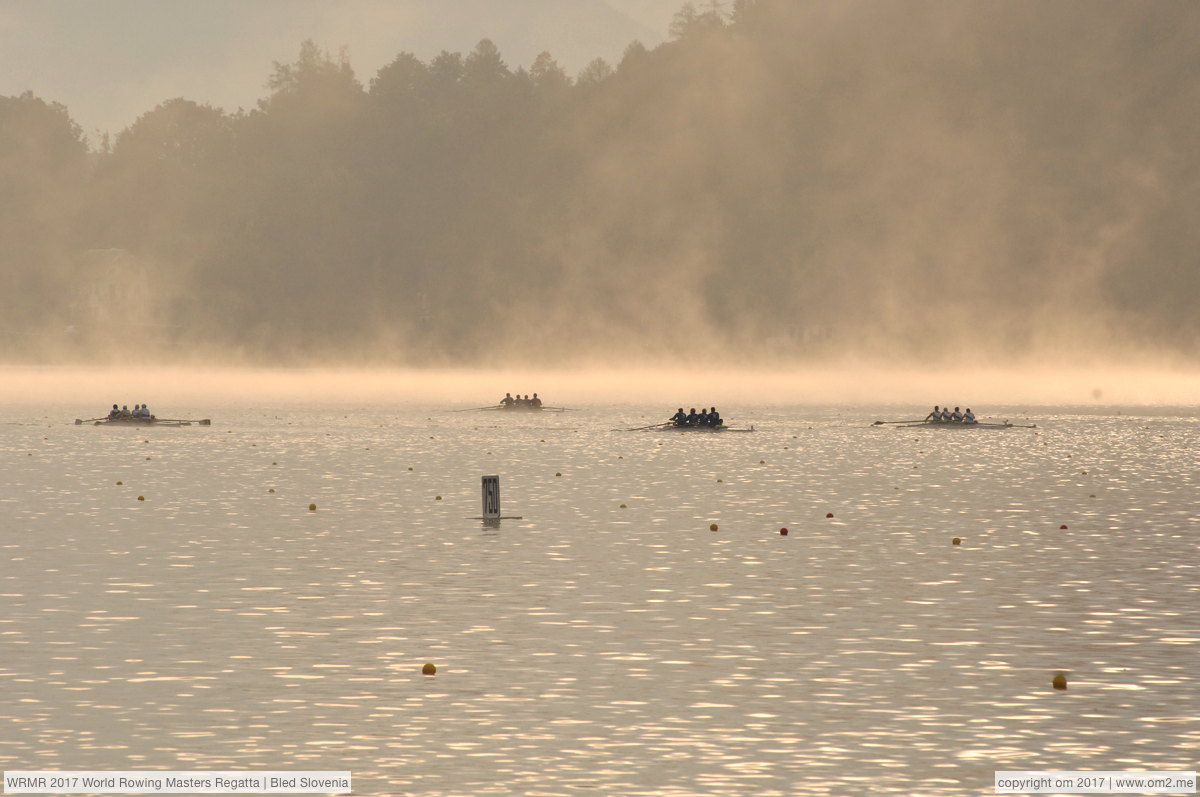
(952, 425)
(148, 422)
(514, 408)
(673, 428)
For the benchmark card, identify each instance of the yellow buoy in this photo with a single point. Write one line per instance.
(120, 483)
(712, 527)
(558, 474)
(271, 490)
(624, 507)
(312, 507)
(141, 498)
(439, 498)
(428, 669)
(956, 541)
(1060, 681)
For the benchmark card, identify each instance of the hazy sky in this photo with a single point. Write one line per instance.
(109, 61)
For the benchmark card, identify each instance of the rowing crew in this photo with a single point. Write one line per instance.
(509, 402)
(138, 411)
(944, 415)
(708, 417)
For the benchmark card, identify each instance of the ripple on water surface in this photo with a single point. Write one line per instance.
(589, 645)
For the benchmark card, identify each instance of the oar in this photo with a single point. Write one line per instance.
(879, 423)
(80, 421)
(643, 428)
(203, 422)
(560, 409)
(476, 409)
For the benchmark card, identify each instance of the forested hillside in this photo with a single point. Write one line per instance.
(791, 178)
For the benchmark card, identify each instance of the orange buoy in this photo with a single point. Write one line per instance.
(1063, 527)
(1059, 681)
(783, 531)
(828, 514)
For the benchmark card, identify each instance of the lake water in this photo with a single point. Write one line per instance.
(608, 642)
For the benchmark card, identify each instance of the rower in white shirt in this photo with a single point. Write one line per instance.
(956, 416)
(969, 417)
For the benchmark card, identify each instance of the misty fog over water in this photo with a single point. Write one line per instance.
(973, 183)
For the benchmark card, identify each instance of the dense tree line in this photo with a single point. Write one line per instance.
(905, 178)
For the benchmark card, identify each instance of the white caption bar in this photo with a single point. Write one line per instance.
(1128, 782)
(189, 782)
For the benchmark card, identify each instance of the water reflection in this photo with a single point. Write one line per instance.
(590, 646)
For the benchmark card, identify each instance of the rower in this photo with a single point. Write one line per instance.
(969, 417)
(936, 415)
(946, 415)
(692, 417)
(956, 416)
(680, 418)
(714, 417)
(535, 402)
(702, 417)
(508, 400)
(115, 413)
(125, 413)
